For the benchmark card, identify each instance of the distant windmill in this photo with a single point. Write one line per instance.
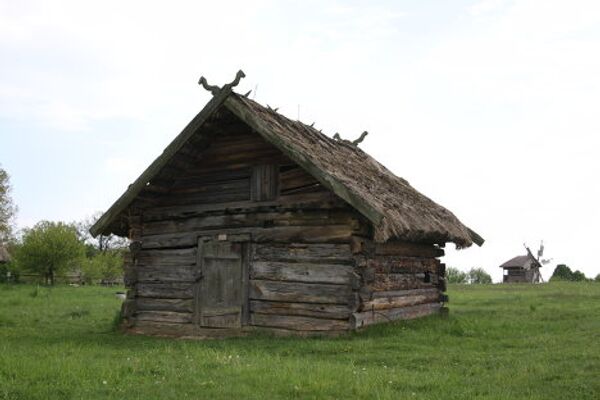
(535, 263)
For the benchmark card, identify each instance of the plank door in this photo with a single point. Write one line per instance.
(220, 296)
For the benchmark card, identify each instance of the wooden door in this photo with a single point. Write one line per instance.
(220, 293)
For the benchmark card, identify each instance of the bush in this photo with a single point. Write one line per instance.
(479, 276)
(562, 273)
(578, 276)
(9, 272)
(50, 248)
(454, 275)
(105, 266)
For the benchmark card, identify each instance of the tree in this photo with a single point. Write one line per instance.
(562, 273)
(101, 243)
(454, 275)
(106, 266)
(597, 278)
(7, 207)
(50, 248)
(479, 276)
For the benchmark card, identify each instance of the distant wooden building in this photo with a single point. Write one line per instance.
(250, 220)
(522, 269)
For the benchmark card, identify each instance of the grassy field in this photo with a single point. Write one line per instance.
(505, 342)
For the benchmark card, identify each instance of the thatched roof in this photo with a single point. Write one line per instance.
(394, 207)
(525, 262)
(4, 256)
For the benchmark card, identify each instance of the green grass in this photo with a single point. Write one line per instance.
(505, 342)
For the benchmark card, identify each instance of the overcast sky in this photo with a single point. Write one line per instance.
(490, 108)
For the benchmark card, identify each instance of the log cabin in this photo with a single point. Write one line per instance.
(249, 220)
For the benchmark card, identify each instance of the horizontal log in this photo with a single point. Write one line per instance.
(309, 234)
(166, 258)
(257, 219)
(328, 311)
(178, 305)
(384, 303)
(164, 316)
(398, 282)
(160, 273)
(408, 249)
(188, 330)
(297, 323)
(366, 296)
(365, 318)
(304, 272)
(213, 197)
(303, 252)
(301, 292)
(165, 290)
(313, 201)
(398, 264)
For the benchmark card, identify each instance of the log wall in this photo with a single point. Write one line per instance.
(301, 274)
(399, 281)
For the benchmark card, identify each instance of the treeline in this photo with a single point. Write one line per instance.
(57, 250)
(473, 276)
(563, 273)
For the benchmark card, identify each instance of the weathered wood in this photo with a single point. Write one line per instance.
(221, 286)
(164, 316)
(301, 292)
(365, 318)
(384, 303)
(190, 331)
(294, 322)
(302, 252)
(314, 201)
(408, 249)
(256, 219)
(241, 111)
(398, 281)
(177, 305)
(293, 177)
(441, 271)
(328, 311)
(398, 264)
(165, 290)
(304, 272)
(308, 234)
(166, 258)
(368, 295)
(160, 273)
(265, 182)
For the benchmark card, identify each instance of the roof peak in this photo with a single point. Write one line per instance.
(215, 90)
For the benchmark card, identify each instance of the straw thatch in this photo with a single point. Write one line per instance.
(395, 208)
(403, 212)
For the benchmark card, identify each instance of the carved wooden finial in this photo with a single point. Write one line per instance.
(360, 139)
(354, 143)
(215, 90)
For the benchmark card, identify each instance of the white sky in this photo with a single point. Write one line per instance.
(488, 107)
